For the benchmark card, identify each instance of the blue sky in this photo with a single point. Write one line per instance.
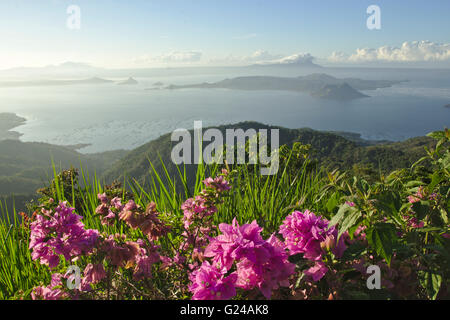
(153, 32)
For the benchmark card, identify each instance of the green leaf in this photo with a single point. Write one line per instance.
(353, 252)
(389, 202)
(445, 161)
(437, 135)
(414, 183)
(444, 216)
(333, 201)
(421, 208)
(349, 221)
(435, 180)
(431, 281)
(382, 237)
(345, 208)
(428, 229)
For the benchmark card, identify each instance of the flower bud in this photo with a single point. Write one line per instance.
(328, 244)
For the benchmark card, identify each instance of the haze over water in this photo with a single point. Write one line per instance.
(110, 117)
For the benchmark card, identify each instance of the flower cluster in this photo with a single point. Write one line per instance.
(60, 233)
(196, 208)
(411, 219)
(147, 221)
(106, 209)
(210, 282)
(120, 252)
(259, 263)
(197, 221)
(218, 183)
(306, 233)
(204, 205)
(51, 292)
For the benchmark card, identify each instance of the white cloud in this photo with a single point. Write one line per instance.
(298, 58)
(338, 56)
(196, 58)
(264, 57)
(176, 57)
(261, 56)
(414, 51)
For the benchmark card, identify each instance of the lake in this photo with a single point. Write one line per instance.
(110, 117)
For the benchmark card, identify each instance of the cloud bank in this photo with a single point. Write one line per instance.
(413, 51)
(175, 57)
(298, 58)
(264, 57)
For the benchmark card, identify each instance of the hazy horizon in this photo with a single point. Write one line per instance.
(113, 34)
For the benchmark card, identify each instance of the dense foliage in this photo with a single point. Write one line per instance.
(305, 233)
(333, 150)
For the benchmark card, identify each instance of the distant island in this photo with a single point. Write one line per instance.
(156, 86)
(338, 92)
(447, 106)
(9, 121)
(317, 85)
(39, 83)
(129, 81)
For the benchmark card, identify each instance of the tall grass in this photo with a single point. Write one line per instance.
(266, 199)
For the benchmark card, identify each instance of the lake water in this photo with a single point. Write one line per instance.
(114, 117)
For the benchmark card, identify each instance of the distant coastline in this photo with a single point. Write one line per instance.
(318, 85)
(10, 121)
(40, 83)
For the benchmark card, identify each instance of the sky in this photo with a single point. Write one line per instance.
(147, 33)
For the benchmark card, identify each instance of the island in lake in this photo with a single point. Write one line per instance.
(39, 83)
(447, 106)
(129, 81)
(9, 121)
(318, 85)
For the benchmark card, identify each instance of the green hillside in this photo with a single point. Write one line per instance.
(332, 150)
(27, 166)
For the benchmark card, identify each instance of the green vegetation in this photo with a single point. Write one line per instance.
(403, 213)
(27, 166)
(332, 150)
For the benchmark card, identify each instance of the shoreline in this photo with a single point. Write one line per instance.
(9, 121)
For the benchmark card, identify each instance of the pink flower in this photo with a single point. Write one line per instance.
(259, 263)
(236, 242)
(219, 183)
(413, 199)
(103, 198)
(317, 271)
(94, 273)
(419, 195)
(116, 203)
(52, 292)
(60, 233)
(304, 232)
(144, 261)
(350, 203)
(210, 283)
(196, 208)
